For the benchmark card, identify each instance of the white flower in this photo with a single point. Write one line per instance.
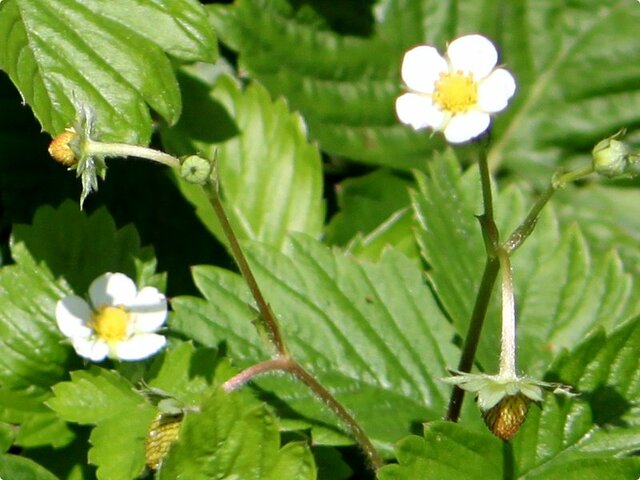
(456, 93)
(119, 322)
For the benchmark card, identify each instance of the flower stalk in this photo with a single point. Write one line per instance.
(508, 338)
(498, 258)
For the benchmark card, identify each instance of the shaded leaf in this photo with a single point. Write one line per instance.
(20, 468)
(81, 247)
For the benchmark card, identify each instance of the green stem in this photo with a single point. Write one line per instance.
(508, 337)
(289, 365)
(283, 361)
(375, 460)
(267, 316)
(96, 148)
(558, 181)
(491, 238)
(494, 249)
(472, 338)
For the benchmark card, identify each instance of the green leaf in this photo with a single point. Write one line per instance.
(44, 430)
(371, 333)
(344, 86)
(563, 291)
(448, 450)
(33, 354)
(187, 373)
(601, 423)
(584, 437)
(93, 395)
(609, 217)
(270, 175)
(575, 66)
(122, 417)
(6, 436)
(81, 247)
(109, 56)
(227, 439)
(19, 468)
(365, 203)
(577, 80)
(118, 444)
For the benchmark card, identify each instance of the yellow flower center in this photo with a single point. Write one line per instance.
(455, 92)
(110, 323)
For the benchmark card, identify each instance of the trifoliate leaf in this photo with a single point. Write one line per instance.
(111, 56)
(228, 439)
(371, 333)
(270, 176)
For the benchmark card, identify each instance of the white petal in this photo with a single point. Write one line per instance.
(472, 53)
(139, 346)
(72, 314)
(149, 310)
(495, 91)
(419, 111)
(112, 289)
(421, 67)
(466, 126)
(94, 349)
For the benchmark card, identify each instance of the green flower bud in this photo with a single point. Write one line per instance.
(195, 169)
(611, 157)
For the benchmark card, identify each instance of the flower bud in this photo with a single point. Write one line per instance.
(611, 157)
(60, 149)
(195, 169)
(163, 432)
(506, 417)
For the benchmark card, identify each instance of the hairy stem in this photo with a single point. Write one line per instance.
(289, 365)
(491, 267)
(93, 147)
(267, 316)
(508, 337)
(558, 181)
(283, 361)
